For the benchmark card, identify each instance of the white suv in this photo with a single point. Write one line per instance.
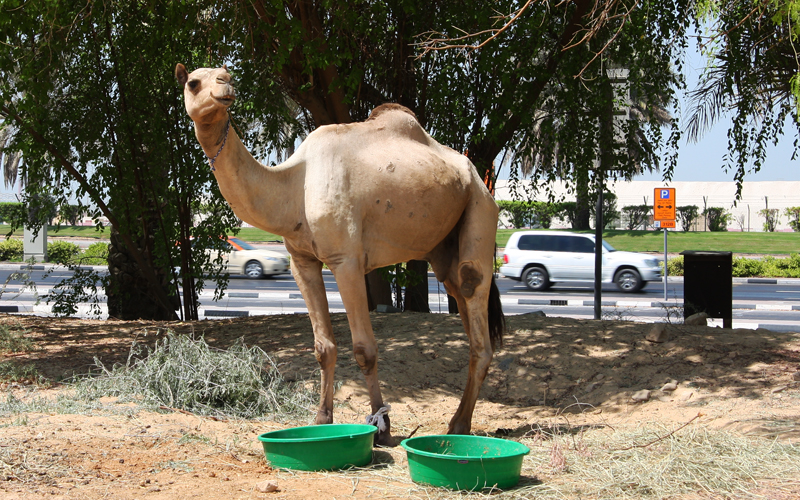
(540, 258)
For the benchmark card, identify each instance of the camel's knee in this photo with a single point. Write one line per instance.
(366, 357)
(470, 277)
(325, 352)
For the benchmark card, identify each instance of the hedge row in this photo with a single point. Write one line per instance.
(766, 267)
(58, 252)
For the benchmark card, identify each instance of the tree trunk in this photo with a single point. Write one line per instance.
(416, 296)
(379, 291)
(129, 293)
(582, 199)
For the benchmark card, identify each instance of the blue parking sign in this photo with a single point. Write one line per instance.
(664, 194)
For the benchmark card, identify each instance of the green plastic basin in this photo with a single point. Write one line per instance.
(319, 447)
(465, 462)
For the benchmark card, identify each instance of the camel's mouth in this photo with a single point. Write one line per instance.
(227, 100)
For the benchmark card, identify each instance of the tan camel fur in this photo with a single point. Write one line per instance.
(358, 197)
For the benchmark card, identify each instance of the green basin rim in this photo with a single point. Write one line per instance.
(522, 450)
(359, 431)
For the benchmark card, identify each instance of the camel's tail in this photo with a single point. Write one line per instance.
(497, 321)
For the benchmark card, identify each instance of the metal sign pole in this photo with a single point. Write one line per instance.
(665, 264)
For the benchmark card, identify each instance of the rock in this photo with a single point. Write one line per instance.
(641, 396)
(686, 396)
(778, 389)
(267, 486)
(658, 333)
(796, 376)
(697, 319)
(670, 386)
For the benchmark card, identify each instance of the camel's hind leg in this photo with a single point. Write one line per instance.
(469, 280)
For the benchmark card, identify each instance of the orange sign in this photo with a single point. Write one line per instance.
(664, 205)
(665, 224)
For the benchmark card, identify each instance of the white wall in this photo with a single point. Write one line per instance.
(717, 194)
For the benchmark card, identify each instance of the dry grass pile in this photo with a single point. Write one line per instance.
(184, 373)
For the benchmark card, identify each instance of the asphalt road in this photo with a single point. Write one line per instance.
(766, 303)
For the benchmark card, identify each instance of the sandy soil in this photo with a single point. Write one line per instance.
(550, 369)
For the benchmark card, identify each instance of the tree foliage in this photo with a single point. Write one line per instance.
(793, 213)
(96, 116)
(636, 216)
(717, 218)
(753, 73)
(687, 215)
(88, 91)
(771, 218)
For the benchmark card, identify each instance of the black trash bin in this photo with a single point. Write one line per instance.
(708, 284)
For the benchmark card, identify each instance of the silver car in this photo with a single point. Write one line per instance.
(243, 258)
(541, 258)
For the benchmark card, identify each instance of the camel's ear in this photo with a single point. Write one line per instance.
(181, 74)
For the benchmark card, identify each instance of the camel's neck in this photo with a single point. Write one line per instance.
(262, 196)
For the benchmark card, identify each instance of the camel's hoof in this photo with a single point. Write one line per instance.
(384, 439)
(323, 417)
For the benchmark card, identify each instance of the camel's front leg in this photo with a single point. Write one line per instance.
(307, 272)
(350, 279)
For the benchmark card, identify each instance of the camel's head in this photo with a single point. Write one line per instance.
(208, 93)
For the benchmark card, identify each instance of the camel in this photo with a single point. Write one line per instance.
(358, 197)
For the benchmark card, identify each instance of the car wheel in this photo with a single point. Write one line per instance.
(629, 280)
(253, 269)
(536, 279)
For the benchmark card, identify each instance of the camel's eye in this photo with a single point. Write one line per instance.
(193, 84)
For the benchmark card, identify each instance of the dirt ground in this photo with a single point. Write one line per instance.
(550, 370)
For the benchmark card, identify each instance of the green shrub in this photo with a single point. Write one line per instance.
(717, 218)
(768, 267)
(687, 215)
(745, 268)
(518, 212)
(675, 266)
(95, 255)
(794, 218)
(62, 252)
(782, 268)
(11, 250)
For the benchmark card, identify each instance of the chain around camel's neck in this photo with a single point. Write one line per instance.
(213, 161)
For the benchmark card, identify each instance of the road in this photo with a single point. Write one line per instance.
(773, 304)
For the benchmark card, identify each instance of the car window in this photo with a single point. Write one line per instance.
(580, 244)
(528, 242)
(245, 246)
(562, 243)
(539, 242)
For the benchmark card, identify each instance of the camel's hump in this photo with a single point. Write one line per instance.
(388, 107)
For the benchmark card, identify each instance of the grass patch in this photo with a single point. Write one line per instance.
(631, 241)
(184, 373)
(11, 372)
(13, 340)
